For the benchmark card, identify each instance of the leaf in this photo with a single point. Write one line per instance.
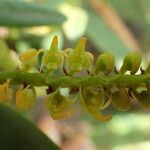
(136, 14)
(19, 13)
(136, 9)
(103, 37)
(17, 133)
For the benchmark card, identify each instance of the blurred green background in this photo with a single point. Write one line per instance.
(118, 26)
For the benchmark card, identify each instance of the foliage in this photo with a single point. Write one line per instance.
(17, 132)
(19, 13)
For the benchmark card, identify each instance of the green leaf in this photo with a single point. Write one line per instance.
(136, 14)
(17, 133)
(19, 13)
(132, 10)
(103, 37)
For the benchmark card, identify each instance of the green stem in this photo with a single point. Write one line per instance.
(39, 79)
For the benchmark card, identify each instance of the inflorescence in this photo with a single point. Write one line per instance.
(98, 85)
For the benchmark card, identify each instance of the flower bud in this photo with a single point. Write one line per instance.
(143, 98)
(92, 101)
(131, 62)
(121, 100)
(53, 59)
(5, 92)
(29, 59)
(6, 56)
(105, 63)
(58, 105)
(25, 98)
(78, 59)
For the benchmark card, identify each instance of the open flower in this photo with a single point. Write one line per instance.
(5, 91)
(143, 98)
(29, 58)
(25, 98)
(78, 59)
(121, 99)
(58, 105)
(92, 100)
(53, 58)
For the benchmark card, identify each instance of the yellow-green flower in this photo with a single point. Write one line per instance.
(25, 98)
(143, 98)
(78, 59)
(29, 59)
(53, 58)
(121, 99)
(92, 100)
(59, 105)
(5, 91)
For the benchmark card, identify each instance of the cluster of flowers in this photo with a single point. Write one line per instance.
(72, 61)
